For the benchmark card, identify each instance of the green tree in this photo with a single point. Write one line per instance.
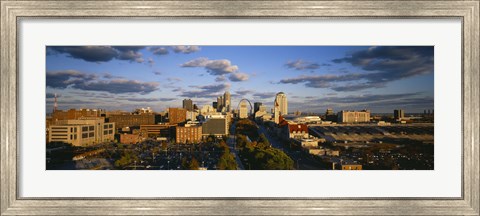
(185, 164)
(227, 161)
(193, 164)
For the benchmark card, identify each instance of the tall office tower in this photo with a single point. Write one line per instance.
(220, 104)
(215, 105)
(256, 106)
(243, 113)
(399, 114)
(276, 113)
(227, 101)
(281, 99)
(188, 104)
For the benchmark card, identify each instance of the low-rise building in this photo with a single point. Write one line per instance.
(82, 132)
(215, 125)
(159, 130)
(131, 120)
(353, 116)
(295, 131)
(188, 134)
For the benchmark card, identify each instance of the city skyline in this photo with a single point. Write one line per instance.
(314, 78)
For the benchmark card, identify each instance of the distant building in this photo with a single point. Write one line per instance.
(192, 115)
(256, 106)
(262, 108)
(131, 120)
(399, 114)
(75, 114)
(306, 119)
(227, 101)
(143, 110)
(354, 116)
(215, 105)
(330, 115)
(243, 112)
(188, 104)
(297, 113)
(329, 112)
(220, 104)
(308, 143)
(177, 115)
(188, 134)
(281, 100)
(207, 109)
(82, 132)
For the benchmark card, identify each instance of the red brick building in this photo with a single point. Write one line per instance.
(177, 115)
(188, 134)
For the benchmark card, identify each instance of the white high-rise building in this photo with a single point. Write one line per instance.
(281, 100)
(243, 113)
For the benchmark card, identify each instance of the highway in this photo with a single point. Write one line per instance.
(231, 145)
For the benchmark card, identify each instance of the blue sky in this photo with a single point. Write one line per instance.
(313, 77)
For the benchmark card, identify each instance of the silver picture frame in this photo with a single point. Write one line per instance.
(12, 11)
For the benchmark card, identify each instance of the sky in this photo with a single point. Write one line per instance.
(314, 78)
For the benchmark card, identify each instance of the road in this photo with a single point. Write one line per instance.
(302, 160)
(231, 144)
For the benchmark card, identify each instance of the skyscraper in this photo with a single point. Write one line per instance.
(256, 106)
(227, 101)
(399, 114)
(188, 104)
(243, 113)
(220, 104)
(276, 113)
(281, 100)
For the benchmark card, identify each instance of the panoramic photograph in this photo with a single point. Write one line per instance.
(191, 107)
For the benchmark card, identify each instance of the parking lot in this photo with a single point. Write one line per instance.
(365, 133)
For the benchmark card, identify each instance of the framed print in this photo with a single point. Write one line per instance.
(245, 107)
